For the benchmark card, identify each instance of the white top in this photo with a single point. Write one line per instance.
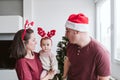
(48, 60)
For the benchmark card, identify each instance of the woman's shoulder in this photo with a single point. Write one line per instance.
(36, 54)
(21, 61)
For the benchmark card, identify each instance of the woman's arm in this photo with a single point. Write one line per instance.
(50, 75)
(104, 78)
(54, 63)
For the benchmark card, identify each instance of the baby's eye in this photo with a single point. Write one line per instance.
(43, 44)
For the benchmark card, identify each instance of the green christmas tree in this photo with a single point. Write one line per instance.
(61, 53)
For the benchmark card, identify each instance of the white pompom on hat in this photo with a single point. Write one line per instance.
(78, 22)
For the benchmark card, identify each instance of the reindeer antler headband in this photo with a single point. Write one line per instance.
(26, 26)
(42, 33)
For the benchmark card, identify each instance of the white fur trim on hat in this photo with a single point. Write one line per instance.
(76, 26)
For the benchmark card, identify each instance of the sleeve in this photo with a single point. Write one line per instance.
(23, 70)
(103, 63)
(54, 62)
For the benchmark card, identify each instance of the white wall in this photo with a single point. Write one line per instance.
(52, 14)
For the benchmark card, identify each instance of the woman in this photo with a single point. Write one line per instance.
(28, 65)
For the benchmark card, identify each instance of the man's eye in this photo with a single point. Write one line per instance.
(67, 31)
(43, 44)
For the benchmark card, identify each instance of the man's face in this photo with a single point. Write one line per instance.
(70, 34)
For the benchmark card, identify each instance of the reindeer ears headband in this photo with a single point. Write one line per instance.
(26, 26)
(42, 33)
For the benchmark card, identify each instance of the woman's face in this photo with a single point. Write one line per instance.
(30, 46)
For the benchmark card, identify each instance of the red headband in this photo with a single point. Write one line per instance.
(42, 33)
(26, 26)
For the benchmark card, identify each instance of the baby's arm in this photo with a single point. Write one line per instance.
(54, 64)
(66, 67)
(49, 76)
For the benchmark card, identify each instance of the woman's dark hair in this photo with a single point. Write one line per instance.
(18, 46)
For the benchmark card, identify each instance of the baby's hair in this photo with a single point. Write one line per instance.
(45, 38)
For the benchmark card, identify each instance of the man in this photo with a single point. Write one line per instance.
(86, 59)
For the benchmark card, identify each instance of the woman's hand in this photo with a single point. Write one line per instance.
(50, 75)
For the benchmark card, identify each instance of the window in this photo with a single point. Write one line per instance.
(103, 28)
(104, 31)
(107, 22)
(117, 34)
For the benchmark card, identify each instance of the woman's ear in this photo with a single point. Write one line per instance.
(24, 42)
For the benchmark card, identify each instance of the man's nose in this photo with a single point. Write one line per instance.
(65, 34)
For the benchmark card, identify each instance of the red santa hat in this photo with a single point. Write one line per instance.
(78, 22)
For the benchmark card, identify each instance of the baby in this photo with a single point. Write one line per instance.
(47, 58)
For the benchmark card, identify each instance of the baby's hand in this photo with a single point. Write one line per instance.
(51, 74)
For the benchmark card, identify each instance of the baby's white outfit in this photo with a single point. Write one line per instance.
(49, 62)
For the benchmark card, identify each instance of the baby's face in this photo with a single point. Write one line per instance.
(46, 45)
